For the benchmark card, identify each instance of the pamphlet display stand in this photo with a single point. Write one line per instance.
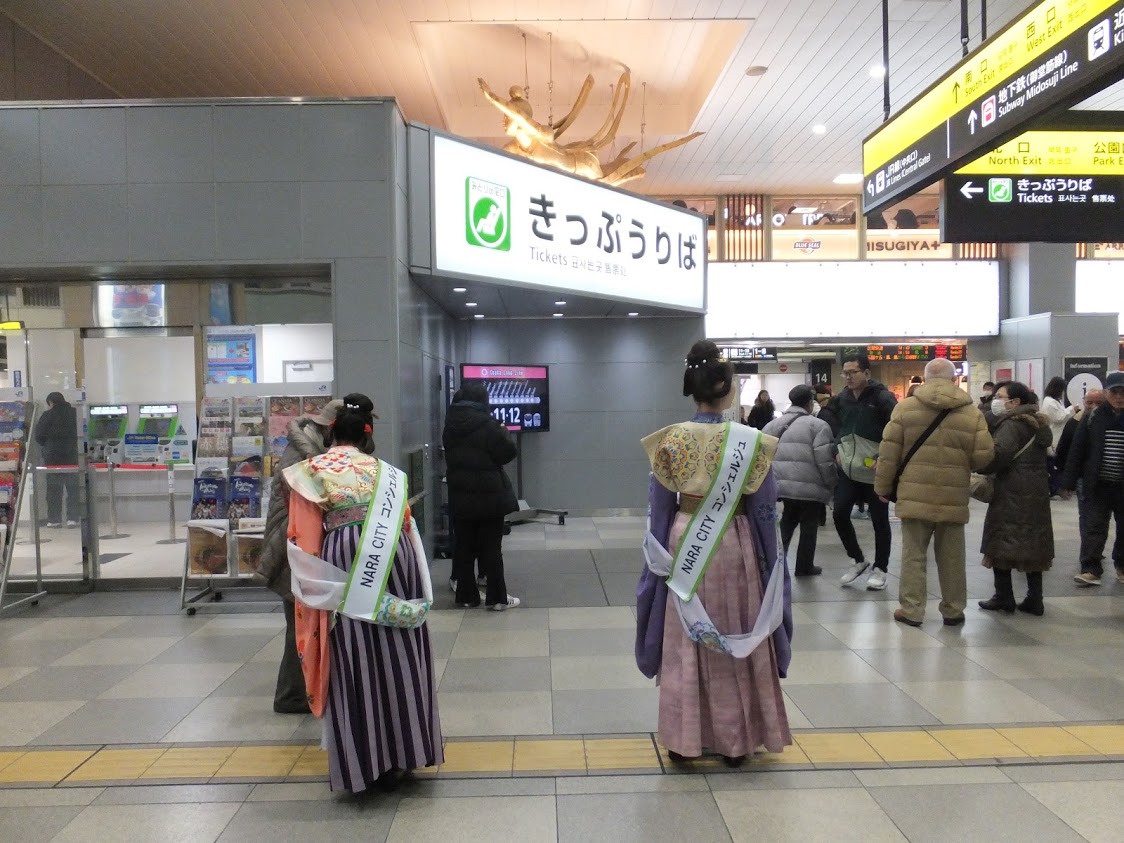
(17, 420)
(243, 430)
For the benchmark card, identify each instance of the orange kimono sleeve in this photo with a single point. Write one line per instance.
(306, 528)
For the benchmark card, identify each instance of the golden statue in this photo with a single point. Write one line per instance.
(530, 139)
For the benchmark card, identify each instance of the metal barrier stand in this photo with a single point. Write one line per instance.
(171, 508)
(113, 533)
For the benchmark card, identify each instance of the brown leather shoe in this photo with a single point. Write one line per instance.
(900, 617)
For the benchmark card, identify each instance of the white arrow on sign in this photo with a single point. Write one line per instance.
(972, 118)
(968, 190)
(870, 187)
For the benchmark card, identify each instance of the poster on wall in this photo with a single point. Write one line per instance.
(231, 355)
(131, 306)
(1082, 376)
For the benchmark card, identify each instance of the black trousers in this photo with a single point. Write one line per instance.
(847, 493)
(56, 484)
(1102, 502)
(479, 539)
(290, 696)
(807, 515)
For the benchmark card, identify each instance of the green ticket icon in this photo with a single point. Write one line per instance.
(1000, 190)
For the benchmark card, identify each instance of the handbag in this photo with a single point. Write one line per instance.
(893, 496)
(982, 486)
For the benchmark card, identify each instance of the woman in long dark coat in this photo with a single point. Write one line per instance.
(1018, 534)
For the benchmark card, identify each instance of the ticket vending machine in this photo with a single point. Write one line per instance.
(106, 430)
(163, 422)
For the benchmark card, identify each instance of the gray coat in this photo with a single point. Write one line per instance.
(805, 462)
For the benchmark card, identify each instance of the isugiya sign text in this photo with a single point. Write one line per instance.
(881, 244)
(499, 218)
(1055, 53)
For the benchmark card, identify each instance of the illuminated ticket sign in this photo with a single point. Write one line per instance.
(1054, 54)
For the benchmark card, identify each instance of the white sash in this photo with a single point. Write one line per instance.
(366, 582)
(320, 585)
(697, 623)
(704, 533)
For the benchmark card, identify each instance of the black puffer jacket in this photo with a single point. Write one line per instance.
(57, 435)
(476, 449)
(1018, 532)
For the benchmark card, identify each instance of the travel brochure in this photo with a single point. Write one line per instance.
(239, 441)
(13, 421)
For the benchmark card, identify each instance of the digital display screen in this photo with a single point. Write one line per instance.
(922, 353)
(518, 395)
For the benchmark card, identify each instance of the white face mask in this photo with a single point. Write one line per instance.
(998, 406)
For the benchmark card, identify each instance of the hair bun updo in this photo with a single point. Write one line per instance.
(708, 377)
(355, 420)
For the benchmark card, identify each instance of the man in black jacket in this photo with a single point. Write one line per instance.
(477, 447)
(57, 435)
(1096, 458)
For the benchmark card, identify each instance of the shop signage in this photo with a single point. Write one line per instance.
(815, 244)
(903, 244)
(501, 219)
(1049, 186)
(1055, 53)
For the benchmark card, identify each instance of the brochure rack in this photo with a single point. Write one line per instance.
(17, 420)
(243, 431)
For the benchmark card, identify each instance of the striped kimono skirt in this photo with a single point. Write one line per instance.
(381, 711)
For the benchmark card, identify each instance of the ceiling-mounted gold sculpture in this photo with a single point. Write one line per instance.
(531, 139)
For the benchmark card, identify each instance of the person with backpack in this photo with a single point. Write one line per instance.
(864, 409)
(805, 470)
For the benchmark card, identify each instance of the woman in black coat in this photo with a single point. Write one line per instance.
(57, 435)
(477, 447)
(763, 411)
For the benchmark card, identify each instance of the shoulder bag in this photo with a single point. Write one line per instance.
(893, 496)
(982, 486)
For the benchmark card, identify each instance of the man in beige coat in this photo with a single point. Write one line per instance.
(932, 495)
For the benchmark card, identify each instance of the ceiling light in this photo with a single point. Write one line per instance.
(558, 314)
(819, 129)
(478, 316)
(470, 304)
(756, 70)
(460, 289)
(877, 71)
(559, 304)
(634, 313)
(808, 210)
(848, 178)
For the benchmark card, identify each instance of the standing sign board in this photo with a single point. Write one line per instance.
(499, 218)
(1043, 186)
(1054, 54)
(1082, 376)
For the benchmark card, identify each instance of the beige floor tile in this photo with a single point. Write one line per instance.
(1095, 809)
(233, 719)
(116, 651)
(837, 748)
(532, 755)
(1108, 740)
(796, 718)
(21, 723)
(881, 635)
(181, 823)
(44, 766)
(831, 668)
(161, 681)
(596, 617)
(620, 754)
(577, 673)
(58, 629)
(478, 757)
(473, 714)
(976, 744)
(8, 675)
(978, 701)
(491, 819)
(1046, 741)
(260, 761)
(116, 765)
(501, 644)
(907, 746)
(1030, 662)
(189, 763)
(840, 815)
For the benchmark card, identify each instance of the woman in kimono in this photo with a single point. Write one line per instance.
(373, 685)
(720, 697)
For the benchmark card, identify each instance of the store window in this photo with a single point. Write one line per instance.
(703, 205)
(908, 230)
(815, 228)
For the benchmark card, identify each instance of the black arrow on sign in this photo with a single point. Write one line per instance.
(956, 92)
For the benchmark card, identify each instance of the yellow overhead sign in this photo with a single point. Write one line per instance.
(1061, 153)
(1031, 40)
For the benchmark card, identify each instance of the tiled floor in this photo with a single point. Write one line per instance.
(547, 699)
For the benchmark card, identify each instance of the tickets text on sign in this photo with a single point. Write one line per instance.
(1057, 49)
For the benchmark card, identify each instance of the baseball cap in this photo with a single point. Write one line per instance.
(1115, 380)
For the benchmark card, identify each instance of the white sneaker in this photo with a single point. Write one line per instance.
(72, 523)
(54, 523)
(512, 603)
(482, 581)
(854, 573)
(453, 585)
(876, 581)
